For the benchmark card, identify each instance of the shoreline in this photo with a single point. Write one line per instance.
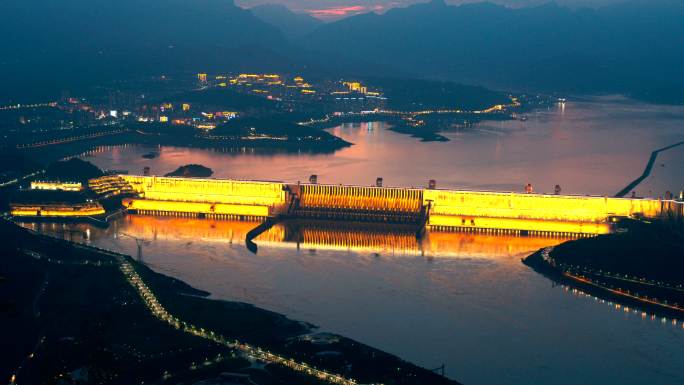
(78, 148)
(125, 135)
(601, 268)
(283, 336)
(438, 123)
(535, 262)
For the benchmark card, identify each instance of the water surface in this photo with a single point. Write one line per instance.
(460, 299)
(595, 147)
(465, 300)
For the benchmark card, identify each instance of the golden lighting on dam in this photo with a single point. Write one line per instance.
(60, 186)
(517, 226)
(227, 191)
(361, 198)
(57, 210)
(448, 210)
(196, 209)
(215, 198)
(569, 208)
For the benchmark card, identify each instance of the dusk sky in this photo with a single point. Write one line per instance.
(335, 9)
(342, 192)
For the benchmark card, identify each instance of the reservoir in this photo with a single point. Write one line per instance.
(463, 300)
(594, 147)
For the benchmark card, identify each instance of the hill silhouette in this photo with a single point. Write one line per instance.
(292, 25)
(414, 95)
(635, 47)
(59, 43)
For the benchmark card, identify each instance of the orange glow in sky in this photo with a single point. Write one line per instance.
(339, 12)
(330, 10)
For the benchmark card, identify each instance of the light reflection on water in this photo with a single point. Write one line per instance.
(460, 299)
(592, 148)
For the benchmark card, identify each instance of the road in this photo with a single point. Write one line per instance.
(157, 309)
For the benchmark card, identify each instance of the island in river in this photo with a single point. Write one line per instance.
(192, 171)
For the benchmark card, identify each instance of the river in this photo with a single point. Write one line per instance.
(464, 300)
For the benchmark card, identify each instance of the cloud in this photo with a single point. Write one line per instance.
(344, 11)
(337, 9)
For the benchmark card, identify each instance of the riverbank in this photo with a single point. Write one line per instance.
(325, 143)
(425, 126)
(91, 321)
(640, 266)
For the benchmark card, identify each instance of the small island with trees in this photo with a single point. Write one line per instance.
(192, 171)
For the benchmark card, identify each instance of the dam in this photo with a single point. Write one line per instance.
(422, 208)
(205, 198)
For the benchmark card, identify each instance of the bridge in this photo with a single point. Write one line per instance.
(440, 209)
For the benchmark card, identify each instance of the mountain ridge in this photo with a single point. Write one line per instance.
(292, 25)
(629, 47)
(85, 41)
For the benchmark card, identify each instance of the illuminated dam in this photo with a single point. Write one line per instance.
(435, 209)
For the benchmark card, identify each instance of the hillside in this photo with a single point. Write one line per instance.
(292, 25)
(635, 47)
(415, 95)
(62, 43)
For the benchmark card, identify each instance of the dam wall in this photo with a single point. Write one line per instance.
(374, 204)
(442, 210)
(510, 226)
(672, 215)
(196, 209)
(538, 213)
(57, 210)
(538, 206)
(214, 198)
